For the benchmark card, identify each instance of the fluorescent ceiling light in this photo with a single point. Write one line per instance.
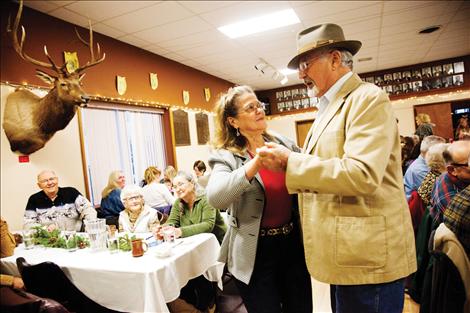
(284, 80)
(260, 24)
(288, 71)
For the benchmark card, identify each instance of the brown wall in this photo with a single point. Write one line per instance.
(121, 59)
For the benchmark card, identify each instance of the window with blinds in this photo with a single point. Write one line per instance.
(126, 138)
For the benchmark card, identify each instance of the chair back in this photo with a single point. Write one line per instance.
(49, 281)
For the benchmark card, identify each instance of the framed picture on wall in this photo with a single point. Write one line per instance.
(458, 80)
(305, 102)
(448, 69)
(436, 83)
(427, 72)
(416, 74)
(297, 104)
(279, 95)
(447, 81)
(389, 89)
(459, 67)
(406, 87)
(379, 80)
(181, 123)
(397, 77)
(295, 93)
(417, 85)
(397, 89)
(406, 75)
(427, 85)
(388, 78)
(280, 106)
(289, 106)
(202, 127)
(370, 79)
(437, 70)
(286, 94)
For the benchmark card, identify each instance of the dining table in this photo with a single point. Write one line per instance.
(125, 283)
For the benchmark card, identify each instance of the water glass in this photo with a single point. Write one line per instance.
(113, 244)
(169, 234)
(28, 239)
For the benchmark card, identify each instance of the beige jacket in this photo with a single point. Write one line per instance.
(355, 219)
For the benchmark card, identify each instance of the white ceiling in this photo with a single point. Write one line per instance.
(186, 31)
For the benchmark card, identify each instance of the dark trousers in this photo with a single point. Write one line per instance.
(372, 298)
(280, 282)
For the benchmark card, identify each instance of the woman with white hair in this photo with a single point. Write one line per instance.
(136, 217)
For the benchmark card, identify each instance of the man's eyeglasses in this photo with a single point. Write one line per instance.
(304, 65)
(134, 198)
(45, 181)
(252, 107)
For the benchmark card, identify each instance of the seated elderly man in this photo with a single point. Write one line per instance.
(64, 206)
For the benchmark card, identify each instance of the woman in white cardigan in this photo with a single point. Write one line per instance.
(136, 217)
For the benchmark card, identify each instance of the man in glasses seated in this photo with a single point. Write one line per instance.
(454, 180)
(65, 207)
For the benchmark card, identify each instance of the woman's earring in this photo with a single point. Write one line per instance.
(238, 133)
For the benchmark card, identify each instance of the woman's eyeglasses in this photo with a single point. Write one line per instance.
(252, 107)
(134, 198)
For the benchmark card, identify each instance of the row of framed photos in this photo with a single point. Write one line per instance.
(423, 85)
(291, 94)
(428, 72)
(296, 104)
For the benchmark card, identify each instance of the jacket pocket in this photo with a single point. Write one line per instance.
(361, 241)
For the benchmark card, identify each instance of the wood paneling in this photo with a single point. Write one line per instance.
(301, 129)
(441, 116)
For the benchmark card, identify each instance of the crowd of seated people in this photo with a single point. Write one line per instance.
(441, 196)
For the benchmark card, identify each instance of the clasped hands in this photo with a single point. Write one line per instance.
(273, 156)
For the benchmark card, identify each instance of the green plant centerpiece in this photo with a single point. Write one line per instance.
(125, 242)
(53, 239)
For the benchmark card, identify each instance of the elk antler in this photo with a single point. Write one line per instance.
(92, 62)
(19, 46)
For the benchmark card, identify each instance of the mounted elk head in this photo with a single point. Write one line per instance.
(30, 121)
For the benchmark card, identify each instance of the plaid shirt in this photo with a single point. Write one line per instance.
(457, 217)
(445, 188)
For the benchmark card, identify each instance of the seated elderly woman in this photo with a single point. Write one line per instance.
(191, 213)
(136, 217)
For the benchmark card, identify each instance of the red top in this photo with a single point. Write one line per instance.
(278, 206)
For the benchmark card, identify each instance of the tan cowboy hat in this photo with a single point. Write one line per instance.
(319, 37)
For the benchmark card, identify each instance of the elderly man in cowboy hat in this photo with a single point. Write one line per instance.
(356, 224)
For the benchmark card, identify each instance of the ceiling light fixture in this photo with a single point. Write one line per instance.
(284, 80)
(430, 29)
(260, 24)
(261, 66)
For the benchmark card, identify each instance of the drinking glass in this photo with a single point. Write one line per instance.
(70, 240)
(169, 234)
(113, 243)
(28, 239)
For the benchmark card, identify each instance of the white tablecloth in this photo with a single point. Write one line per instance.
(124, 283)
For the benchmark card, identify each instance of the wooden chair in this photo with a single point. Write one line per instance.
(49, 281)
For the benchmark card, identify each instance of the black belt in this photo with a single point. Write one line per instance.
(282, 230)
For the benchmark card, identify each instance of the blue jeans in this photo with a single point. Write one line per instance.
(374, 298)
